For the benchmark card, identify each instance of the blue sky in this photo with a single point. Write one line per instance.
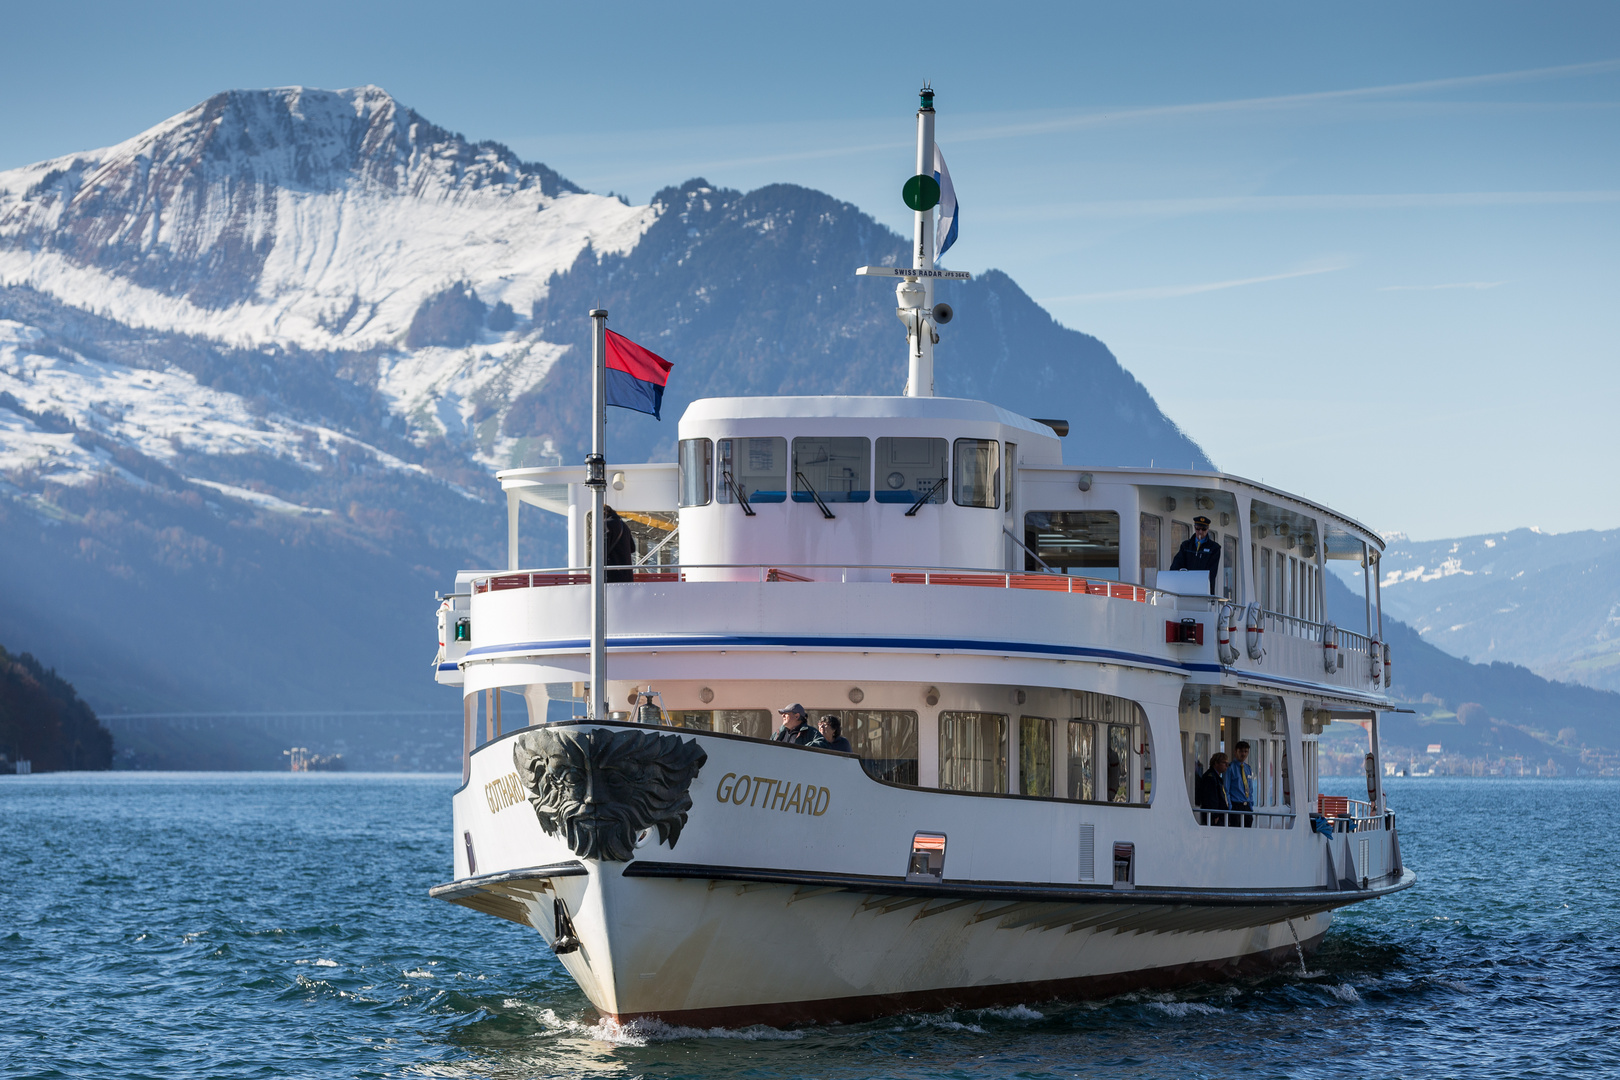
(1367, 253)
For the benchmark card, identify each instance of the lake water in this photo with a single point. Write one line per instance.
(260, 925)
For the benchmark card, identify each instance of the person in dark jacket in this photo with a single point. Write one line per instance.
(795, 728)
(1211, 790)
(831, 735)
(1199, 552)
(618, 547)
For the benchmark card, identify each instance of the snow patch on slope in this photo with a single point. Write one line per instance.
(159, 414)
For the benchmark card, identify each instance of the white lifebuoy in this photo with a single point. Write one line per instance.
(1377, 660)
(1255, 624)
(1330, 647)
(1228, 634)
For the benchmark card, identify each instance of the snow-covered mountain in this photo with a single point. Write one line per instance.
(259, 362)
(1550, 602)
(309, 219)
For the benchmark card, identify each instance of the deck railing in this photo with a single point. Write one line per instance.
(1253, 819)
(1294, 626)
(843, 574)
(1350, 815)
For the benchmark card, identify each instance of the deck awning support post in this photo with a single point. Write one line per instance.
(512, 504)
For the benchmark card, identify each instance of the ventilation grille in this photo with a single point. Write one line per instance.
(1088, 853)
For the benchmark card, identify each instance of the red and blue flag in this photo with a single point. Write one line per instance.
(635, 376)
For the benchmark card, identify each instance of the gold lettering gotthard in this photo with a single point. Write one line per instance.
(765, 793)
(503, 792)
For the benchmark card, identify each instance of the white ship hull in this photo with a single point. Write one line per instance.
(774, 913)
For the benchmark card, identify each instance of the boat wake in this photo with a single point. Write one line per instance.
(647, 1032)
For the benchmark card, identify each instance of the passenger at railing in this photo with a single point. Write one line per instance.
(1199, 552)
(795, 729)
(1211, 791)
(1240, 786)
(830, 735)
(618, 547)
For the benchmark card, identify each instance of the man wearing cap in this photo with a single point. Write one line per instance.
(1199, 552)
(794, 728)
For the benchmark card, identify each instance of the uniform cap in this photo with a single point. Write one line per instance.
(1201, 520)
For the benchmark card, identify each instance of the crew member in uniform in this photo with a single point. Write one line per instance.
(1199, 552)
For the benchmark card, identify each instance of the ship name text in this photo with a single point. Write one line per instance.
(769, 794)
(504, 791)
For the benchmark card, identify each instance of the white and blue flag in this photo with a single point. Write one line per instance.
(945, 234)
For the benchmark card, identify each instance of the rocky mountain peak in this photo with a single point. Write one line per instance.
(193, 206)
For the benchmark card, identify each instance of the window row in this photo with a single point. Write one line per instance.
(1101, 755)
(1288, 585)
(841, 469)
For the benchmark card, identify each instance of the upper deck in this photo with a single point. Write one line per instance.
(878, 490)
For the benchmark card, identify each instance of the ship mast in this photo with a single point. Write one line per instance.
(914, 295)
(914, 298)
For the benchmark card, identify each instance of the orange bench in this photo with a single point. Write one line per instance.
(1333, 806)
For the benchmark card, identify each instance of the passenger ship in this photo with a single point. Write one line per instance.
(1029, 692)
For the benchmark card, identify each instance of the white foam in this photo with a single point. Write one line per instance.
(1014, 1012)
(644, 1032)
(1185, 1008)
(1344, 992)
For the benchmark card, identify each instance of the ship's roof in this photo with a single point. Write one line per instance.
(859, 407)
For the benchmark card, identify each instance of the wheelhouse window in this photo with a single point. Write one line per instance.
(911, 469)
(1230, 580)
(1035, 755)
(1110, 757)
(977, 471)
(837, 469)
(1083, 542)
(886, 741)
(1009, 472)
(1148, 550)
(697, 469)
(973, 752)
(755, 468)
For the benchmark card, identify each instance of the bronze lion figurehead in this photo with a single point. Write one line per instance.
(598, 787)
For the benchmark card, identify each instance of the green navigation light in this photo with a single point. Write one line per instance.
(921, 193)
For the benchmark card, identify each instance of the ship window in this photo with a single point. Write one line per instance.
(754, 723)
(1180, 533)
(757, 468)
(837, 469)
(1082, 760)
(978, 473)
(1084, 542)
(1035, 755)
(909, 468)
(1109, 756)
(1148, 552)
(973, 752)
(1229, 563)
(1265, 578)
(885, 740)
(1119, 763)
(697, 465)
(1010, 470)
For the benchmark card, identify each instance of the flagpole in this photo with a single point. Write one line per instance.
(916, 298)
(596, 480)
